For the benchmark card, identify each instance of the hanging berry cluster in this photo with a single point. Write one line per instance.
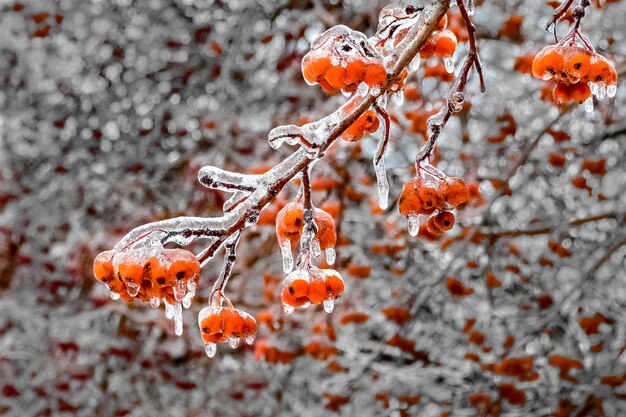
(151, 274)
(432, 195)
(577, 70)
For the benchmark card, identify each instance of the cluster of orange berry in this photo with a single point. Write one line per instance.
(225, 324)
(442, 42)
(341, 59)
(311, 285)
(289, 226)
(434, 197)
(149, 275)
(578, 72)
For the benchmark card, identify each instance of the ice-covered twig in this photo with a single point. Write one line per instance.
(219, 179)
(455, 100)
(273, 181)
(230, 256)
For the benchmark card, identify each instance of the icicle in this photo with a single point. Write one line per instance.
(132, 289)
(330, 255)
(329, 305)
(250, 339)
(233, 342)
(383, 185)
(285, 251)
(169, 310)
(210, 349)
(601, 92)
(414, 224)
(187, 299)
(114, 295)
(288, 309)
(611, 90)
(449, 64)
(155, 302)
(589, 105)
(470, 7)
(179, 290)
(178, 319)
(315, 247)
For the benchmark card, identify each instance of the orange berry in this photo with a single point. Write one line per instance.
(578, 64)
(561, 94)
(250, 326)
(336, 77)
(454, 191)
(433, 227)
(291, 300)
(298, 288)
(549, 62)
(157, 273)
(317, 291)
(443, 22)
(326, 233)
(130, 268)
(374, 75)
(328, 89)
(428, 49)
(314, 70)
(602, 72)
(418, 197)
(103, 269)
(233, 322)
(289, 223)
(355, 71)
(580, 92)
(335, 285)
(446, 44)
(444, 221)
(184, 266)
(369, 121)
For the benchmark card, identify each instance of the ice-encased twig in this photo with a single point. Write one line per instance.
(220, 179)
(230, 256)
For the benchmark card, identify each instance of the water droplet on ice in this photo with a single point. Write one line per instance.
(180, 240)
(414, 224)
(288, 309)
(375, 91)
(114, 295)
(329, 305)
(449, 63)
(250, 339)
(601, 93)
(233, 342)
(210, 349)
(132, 289)
(383, 185)
(155, 302)
(589, 105)
(285, 251)
(178, 319)
(415, 63)
(330, 255)
(611, 90)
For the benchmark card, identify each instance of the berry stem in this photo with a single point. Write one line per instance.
(382, 147)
